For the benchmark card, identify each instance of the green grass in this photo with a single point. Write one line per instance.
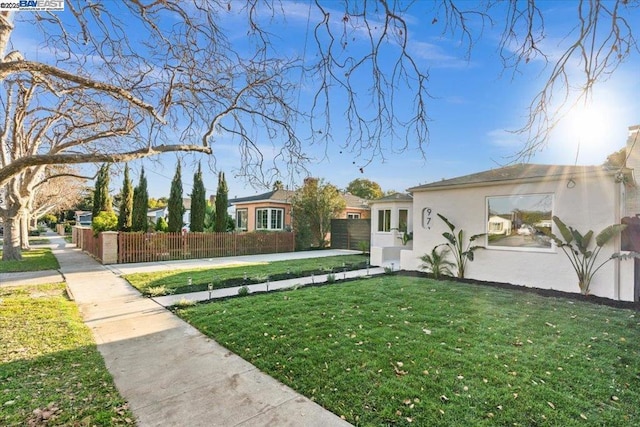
(170, 282)
(32, 260)
(48, 360)
(412, 351)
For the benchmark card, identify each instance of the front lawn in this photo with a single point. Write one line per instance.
(32, 260)
(50, 370)
(177, 282)
(413, 351)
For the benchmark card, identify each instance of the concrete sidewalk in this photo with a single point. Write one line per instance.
(169, 372)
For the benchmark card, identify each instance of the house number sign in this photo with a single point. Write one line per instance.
(426, 218)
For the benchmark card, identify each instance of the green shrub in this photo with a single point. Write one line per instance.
(331, 278)
(243, 291)
(161, 225)
(104, 221)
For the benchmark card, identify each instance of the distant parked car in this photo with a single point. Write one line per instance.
(526, 230)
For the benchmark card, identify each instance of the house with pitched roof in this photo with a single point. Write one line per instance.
(271, 211)
(520, 201)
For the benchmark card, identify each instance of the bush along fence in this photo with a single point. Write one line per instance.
(112, 247)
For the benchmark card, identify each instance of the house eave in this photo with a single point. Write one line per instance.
(528, 180)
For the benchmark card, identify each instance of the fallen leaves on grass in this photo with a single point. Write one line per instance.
(42, 416)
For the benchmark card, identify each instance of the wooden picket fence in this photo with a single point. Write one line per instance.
(91, 243)
(148, 247)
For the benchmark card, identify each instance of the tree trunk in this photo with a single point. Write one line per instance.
(23, 220)
(11, 248)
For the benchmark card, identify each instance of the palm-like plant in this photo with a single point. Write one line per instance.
(455, 243)
(437, 262)
(584, 260)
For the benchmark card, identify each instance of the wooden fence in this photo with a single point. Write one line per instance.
(91, 243)
(138, 247)
(350, 233)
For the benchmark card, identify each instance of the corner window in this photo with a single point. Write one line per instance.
(269, 219)
(519, 221)
(242, 219)
(384, 220)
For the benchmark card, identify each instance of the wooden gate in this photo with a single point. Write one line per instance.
(350, 233)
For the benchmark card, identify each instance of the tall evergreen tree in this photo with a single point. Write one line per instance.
(101, 198)
(126, 202)
(139, 219)
(176, 206)
(198, 203)
(222, 200)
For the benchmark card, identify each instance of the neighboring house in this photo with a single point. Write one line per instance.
(83, 218)
(356, 207)
(584, 197)
(155, 214)
(269, 211)
(499, 225)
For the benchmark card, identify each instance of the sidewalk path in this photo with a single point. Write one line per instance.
(169, 372)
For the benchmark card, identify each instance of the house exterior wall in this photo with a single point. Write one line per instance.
(590, 203)
(251, 209)
(633, 162)
(364, 213)
(387, 245)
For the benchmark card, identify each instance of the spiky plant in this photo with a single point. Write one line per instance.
(584, 260)
(455, 243)
(437, 263)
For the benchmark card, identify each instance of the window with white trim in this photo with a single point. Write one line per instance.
(519, 221)
(353, 215)
(242, 219)
(384, 220)
(269, 219)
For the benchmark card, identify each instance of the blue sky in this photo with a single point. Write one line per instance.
(476, 103)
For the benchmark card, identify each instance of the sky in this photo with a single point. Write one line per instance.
(475, 106)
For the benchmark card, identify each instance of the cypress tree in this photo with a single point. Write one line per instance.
(126, 204)
(139, 220)
(101, 198)
(176, 207)
(222, 200)
(198, 203)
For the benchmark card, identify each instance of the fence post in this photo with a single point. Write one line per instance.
(109, 247)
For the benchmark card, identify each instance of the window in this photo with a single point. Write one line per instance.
(353, 215)
(403, 219)
(384, 220)
(269, 219)
(242, 219)
(520, 221)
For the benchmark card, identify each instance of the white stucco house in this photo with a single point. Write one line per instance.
(584, 197)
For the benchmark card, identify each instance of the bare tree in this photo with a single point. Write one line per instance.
(115, 81)
(61, 189)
